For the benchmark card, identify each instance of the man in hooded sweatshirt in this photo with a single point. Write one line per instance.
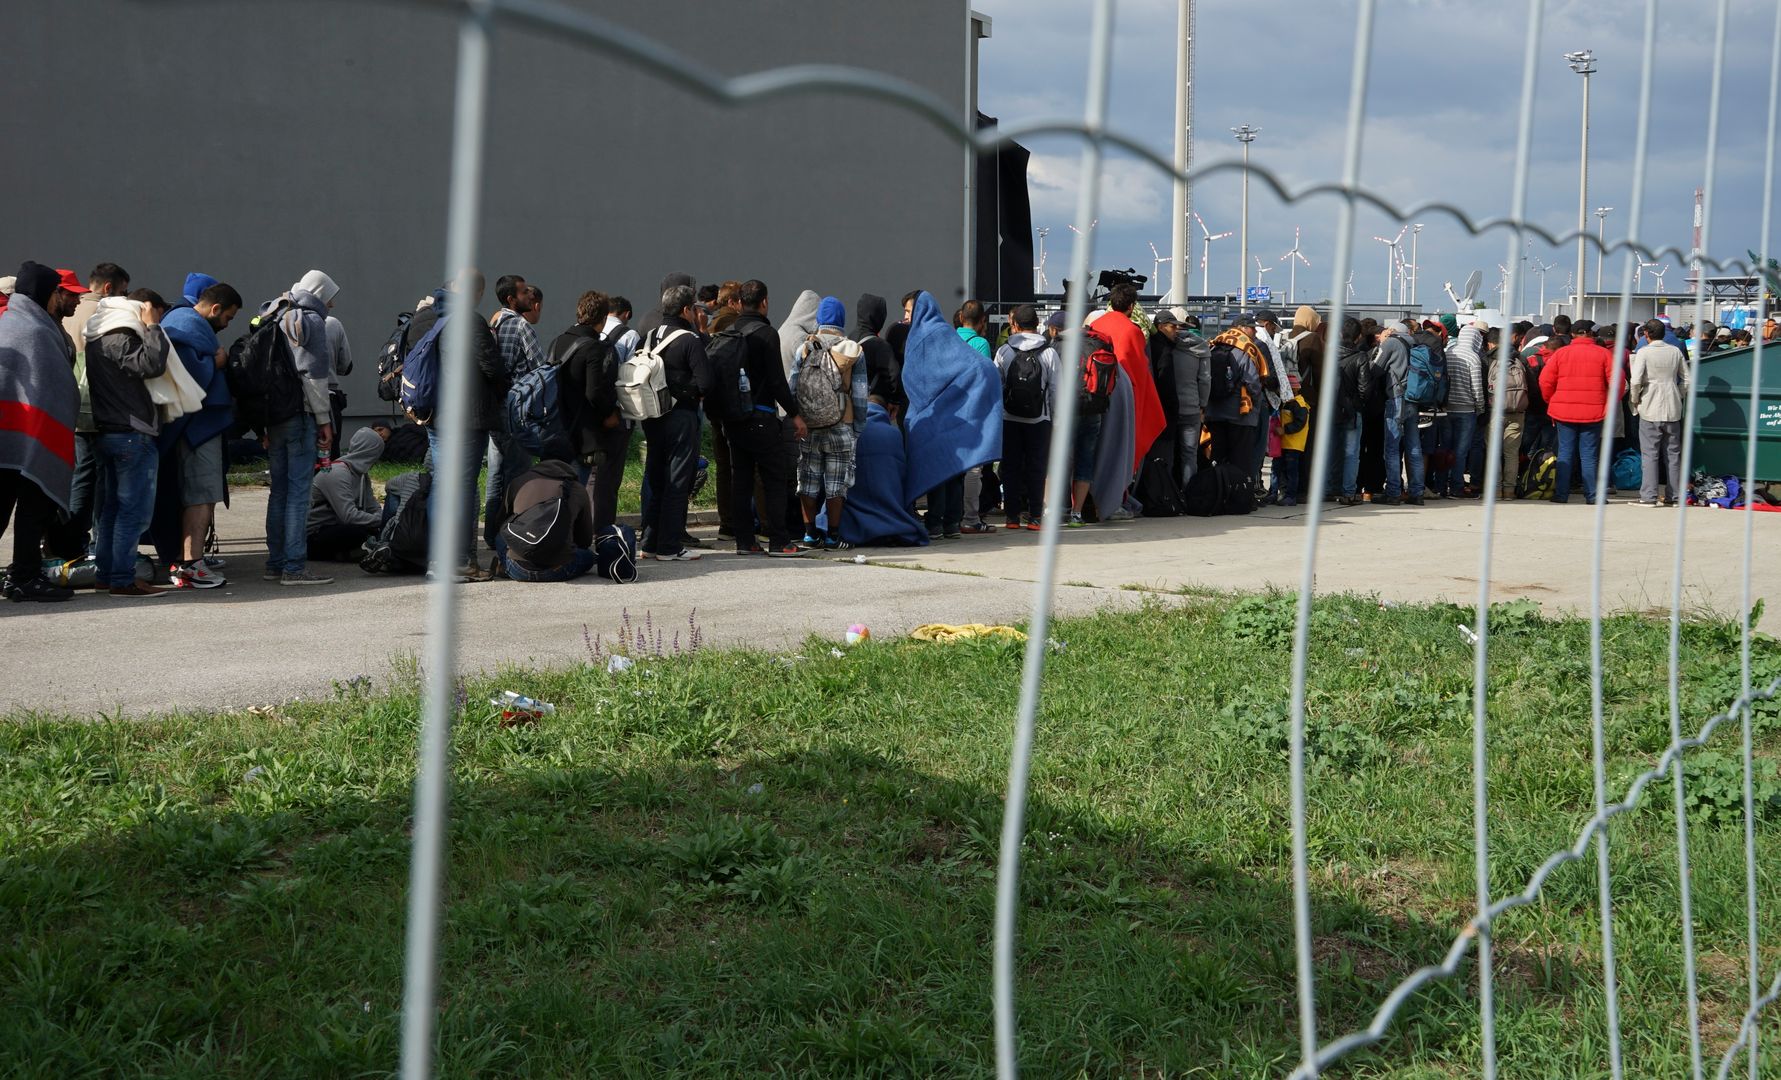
(121, 354)
(884, 368)
(1465, 400)
(1403, 444)
(343, 510)
(39, 403)
(294, 443)
(825, 454)
(545, 530)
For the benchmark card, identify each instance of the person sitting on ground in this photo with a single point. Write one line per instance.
(343, 510)
(547, 526)
(876, 512)
(833, 405)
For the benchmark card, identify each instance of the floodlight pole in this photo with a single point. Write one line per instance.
(1583, 63)
(1182, 204)
(1245, 135)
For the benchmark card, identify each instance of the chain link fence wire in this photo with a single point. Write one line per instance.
(479, 20)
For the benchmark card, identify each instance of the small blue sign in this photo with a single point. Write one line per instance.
(1259, 294)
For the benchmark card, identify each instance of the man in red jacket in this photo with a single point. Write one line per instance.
(1130, 349)
(1578, 386)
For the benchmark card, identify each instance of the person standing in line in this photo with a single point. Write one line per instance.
(1353, 370)
(1658, 391)
(121, 355)
(191, 447)
(517, 343)
(1403, 442)
(70, 539)
(1465, 398)
(672, 439)
(825, 454)
(39, 406)
(598, 433)
(1578, 387)
(757, 449)
(1028, 365)
(294, 443)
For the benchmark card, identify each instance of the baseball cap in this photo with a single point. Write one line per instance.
(1267, 315)
(69, 281)
(1243, 318)
(1165, 317)
(1056, 320)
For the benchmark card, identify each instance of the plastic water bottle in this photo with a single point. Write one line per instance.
(742, 383)
(513, 702)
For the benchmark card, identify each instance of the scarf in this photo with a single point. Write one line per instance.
(1237, 339)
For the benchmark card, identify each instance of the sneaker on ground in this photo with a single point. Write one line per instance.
(789, 551)
(272, 575)
(137, 591)
(1011, 525)
(683, 555)
(215, 562)
(812, 539)
(977, 530)
(1075, 521)
(195, 575)
(726, 536)
(304, 577)
(38, 591)
(1033, 525)
(1121, 514)
(952, 534)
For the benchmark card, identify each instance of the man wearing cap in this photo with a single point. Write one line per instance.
(39, 403)
(1403, 442)
(68, 539)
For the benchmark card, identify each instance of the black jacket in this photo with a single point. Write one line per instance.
(1356, 375)
(884, 365)
(765, 367)
(488, 389)
(588, 396)
(117, 364)
(684, 363)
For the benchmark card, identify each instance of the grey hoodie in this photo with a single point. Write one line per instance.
(1026, 340)
(341, 493)
(797, 328)
(1394, 362)
(305, 326)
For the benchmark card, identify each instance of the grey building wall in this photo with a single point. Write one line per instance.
(254, 141)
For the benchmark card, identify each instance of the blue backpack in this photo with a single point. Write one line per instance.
(535, 413)
(615, 554)
(420, 374)
(1627, 471)
(1427, 383)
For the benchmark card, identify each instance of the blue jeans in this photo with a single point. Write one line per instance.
(507, 460)
(1458, 431)
(125, 496)
(580, 562)
(292, 444)
(478, 446)
(1403, 448)
(1345, 466)
(1573, 438)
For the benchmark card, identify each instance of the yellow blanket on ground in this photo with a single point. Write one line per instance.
(945, 633)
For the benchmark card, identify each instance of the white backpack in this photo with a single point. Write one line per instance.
(643, 379)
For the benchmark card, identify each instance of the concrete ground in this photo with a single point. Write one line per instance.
(253, 642)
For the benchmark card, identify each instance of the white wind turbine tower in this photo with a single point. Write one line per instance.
(1206, 238)
(1292, 269)
(1542, 268)
(1350, 286)
(1040, 284)
(1391, 258)
(1156, 268)
(1260, 269)
(1658, 274)
(1502, 289)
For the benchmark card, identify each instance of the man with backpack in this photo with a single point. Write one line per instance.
(192, 479)
(830, 384)
(884, 368)
(1235, 400)
(488, 393)
(757, 394)
(1184, 384)
(1403, 442)
(517, 342)
(301, 315)
(544, 530)
(1029, 393)
(674, 352)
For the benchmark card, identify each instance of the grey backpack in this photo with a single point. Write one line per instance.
(822, 399)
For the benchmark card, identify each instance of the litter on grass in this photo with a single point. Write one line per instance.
(947, 634)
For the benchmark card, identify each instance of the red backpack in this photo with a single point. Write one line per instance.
(1100, 370)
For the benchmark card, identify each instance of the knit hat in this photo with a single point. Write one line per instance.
(36, 281)
(831, 312)
(318, 285)
(1451, 322)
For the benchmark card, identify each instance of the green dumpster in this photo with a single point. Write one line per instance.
(1722, 417)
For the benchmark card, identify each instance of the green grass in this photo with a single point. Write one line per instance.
(630, 495)
(737, 864)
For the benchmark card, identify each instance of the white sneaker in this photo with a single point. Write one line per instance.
(196, 575)
(215, 562)
(683, 555)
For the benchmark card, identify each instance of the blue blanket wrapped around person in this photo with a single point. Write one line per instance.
(954, 422)
(876, 511)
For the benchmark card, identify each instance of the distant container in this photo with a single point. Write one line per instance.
(1722, 423)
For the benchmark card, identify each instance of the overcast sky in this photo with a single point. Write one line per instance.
(1441, 124)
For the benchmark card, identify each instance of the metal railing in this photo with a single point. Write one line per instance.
(479, 21)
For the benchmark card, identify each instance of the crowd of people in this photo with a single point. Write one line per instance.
(115, 405)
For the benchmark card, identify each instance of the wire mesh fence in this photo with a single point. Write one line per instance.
(481, 19)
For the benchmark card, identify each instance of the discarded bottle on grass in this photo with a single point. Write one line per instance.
(512, 702)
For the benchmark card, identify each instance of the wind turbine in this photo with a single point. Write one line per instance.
(1391, 258)
(1041, 284)
(1091, 227)
(1350, 286)
(1658, 273)
(1541, 268)
(1502, 289)
(1292, 269)
(1260, 269)
(1156, 267)
(1207, 236)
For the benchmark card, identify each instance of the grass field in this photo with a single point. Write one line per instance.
(734, 863)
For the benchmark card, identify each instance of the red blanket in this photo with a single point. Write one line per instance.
(1128, 349)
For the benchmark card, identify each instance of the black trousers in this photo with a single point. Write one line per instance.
(30, 513)
(339, 541)
(1233, 443)
(68, 539)
(607, 473)
(757, 451)
(1025, 448)
(721, 471)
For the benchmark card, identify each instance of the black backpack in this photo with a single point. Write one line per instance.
(731, 399)
(262, 373)
(1023, 384)
(389, 361)
(1156, 490)
(1237, 494)
(540, 534)
(1204, 493)
(407, 533)
(1226, 375)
